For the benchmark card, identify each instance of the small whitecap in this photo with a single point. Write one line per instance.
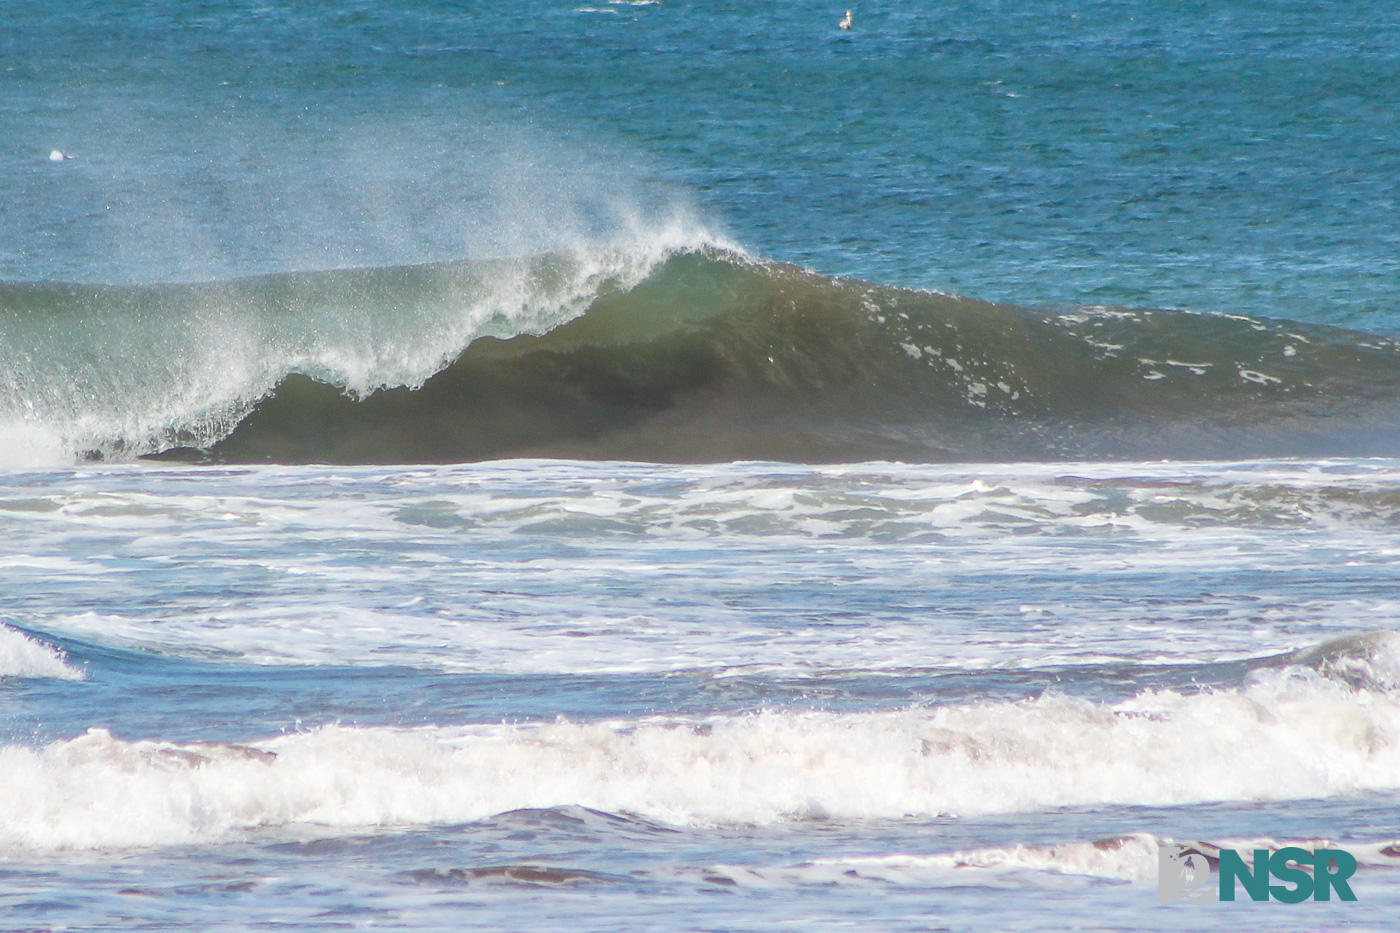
(22, 657)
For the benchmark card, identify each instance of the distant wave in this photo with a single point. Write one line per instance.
(1322, 718)
(678, 351)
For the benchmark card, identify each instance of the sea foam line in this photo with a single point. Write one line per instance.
(1132, 857)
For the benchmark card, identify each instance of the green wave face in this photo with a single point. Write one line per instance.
(714, 357)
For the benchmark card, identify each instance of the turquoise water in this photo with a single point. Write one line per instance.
(789, 590)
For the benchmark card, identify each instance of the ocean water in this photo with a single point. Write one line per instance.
(663, 466)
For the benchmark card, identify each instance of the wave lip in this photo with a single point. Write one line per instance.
(1166, 748)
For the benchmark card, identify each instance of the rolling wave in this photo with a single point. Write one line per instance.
(680, 352)
(714, 357)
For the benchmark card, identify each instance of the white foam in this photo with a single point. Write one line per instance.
(1293, 735)
(436, 547)
(1128, 858)
(24, 444)
(22, 657)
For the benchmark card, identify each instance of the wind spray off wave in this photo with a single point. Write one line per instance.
(116, 372)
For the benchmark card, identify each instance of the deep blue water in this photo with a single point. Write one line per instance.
(1211, 155)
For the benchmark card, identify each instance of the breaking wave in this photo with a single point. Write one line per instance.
(1329, 720)
(666, 349)
(115, 372)
(25, 658)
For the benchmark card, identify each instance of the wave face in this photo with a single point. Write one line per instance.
(714, 357)
(676, 352)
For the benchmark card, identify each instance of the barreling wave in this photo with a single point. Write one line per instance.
(678, 351)
(114, 372)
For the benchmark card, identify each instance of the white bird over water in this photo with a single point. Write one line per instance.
(846, 23)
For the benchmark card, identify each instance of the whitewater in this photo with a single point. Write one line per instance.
(650, 466)
(691, 666)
